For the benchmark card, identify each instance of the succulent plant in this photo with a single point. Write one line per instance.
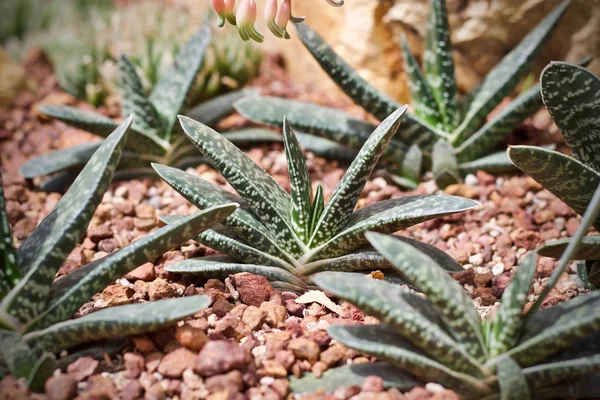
(451, 132)
(154, 137)
(288, 237)
(35, 310)
(438, 336)
(572, 96)
(277, 16)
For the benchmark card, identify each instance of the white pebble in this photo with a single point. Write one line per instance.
(267, 380)
(498, 269)
(434, 387)
(471, 180)
(476, 259)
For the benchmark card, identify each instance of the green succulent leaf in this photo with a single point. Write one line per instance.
(494, 132)
(387, 217)
(422, 99)
(513, 384)
(211, 268)
(251, 136)
(438, 64)
(384, 343)
(317, 208)
(349, 375)
(566, 370)
(338, 209)
(265, 197)
(171, 91)
(329, 123)
(589, 248)
(567, 178)
(9, 270)
(139, 141)
(73, 290)
(325, 148)
(412, 164)
(361, 260)
(414, 130)
(59, 160)
(587, 386)
(444, 164)
(47, 247)
(444, 292)
(42, 370)
(508, 320)
(405, 312)
(495, 163)
(506, 75)
(131, 319)
(556, 328)
(205, 194)
(134, 101)
(572, 96)
(212, 111)
(300, 184)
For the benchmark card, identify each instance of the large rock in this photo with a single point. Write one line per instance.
(366, 33)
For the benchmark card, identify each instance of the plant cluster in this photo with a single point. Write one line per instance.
(571, 95)
(446, 133)
(154, 135)
(35, 310)
(439, 337)
(288, 237)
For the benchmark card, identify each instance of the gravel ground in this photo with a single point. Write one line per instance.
(252, 337)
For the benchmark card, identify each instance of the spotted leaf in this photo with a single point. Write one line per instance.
(212, 111)
(338, 209)
(127, 320)
(43, 252)
(589, 248)
(55, 161)
(565, 370)
(513, 384)
(445, 293)
(171, 90)
(9, 270)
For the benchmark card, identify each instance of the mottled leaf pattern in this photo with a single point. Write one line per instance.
(250, 136)
(589, 248)
(567, 178)
(438, 64)
(171, 90)
(494, 133)
(266, 198)
(73, 290)
(509, 317)
(572, 96)
(131, 319)
(422, 99)
(212, 111)
(59, 160)
(405, 312)
(134, 101)
(349, 375)
(47, 247)
(512, 381)
(551, 373)
(300, 185)
(9, 270)
(329, 123)
(446, 294)
(204, 194)
(506, 75)
(356, 261)
(139, 141)
(387, 217)
(325, 148)
(413, 129)
(318, 206)
(209, 268)
(412, 164)
(339, 208)
(383, 342)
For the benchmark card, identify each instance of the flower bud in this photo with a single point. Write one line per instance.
(245, 16)
(219, 6)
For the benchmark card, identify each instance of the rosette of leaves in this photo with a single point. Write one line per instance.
(572, 96)
(36, 311)
(154, 136)
(438, 336)
(288, 237)
(451, 132)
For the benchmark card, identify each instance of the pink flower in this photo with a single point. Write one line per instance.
(245, 16)
(272, 17)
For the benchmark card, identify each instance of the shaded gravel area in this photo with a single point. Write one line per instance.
(252, 337)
